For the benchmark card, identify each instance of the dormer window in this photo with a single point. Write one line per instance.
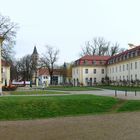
(100, 62)
(85, 62)
(125, 57)
(94, 62)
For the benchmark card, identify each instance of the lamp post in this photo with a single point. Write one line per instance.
(1, 40)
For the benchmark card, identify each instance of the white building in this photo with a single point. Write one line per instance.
(44, 77)
(90, 70)
(125, 66)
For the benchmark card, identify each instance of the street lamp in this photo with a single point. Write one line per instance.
(1, 40)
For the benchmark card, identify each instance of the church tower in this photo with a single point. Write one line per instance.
(35, 57)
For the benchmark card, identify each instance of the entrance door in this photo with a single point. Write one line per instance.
(90, 82)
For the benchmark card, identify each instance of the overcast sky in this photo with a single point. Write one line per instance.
(67, 24)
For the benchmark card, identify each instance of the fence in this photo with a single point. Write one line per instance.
(126, 93)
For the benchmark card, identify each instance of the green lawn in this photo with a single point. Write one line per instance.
(123, 88)
(63, 88)
(34, 92)
(32, 107)
(131, 105)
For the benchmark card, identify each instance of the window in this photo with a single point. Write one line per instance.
(102, 80)
(120, 68)
(100, 62)
(131, 66)
(127, 66)
(135, 65)
(94, 80)
(77, 62)
(131, 77)
(77, 71)
(127, 77)
(102, 71)
(116, 69)
(94, 71)
(135, 76)
(113, 70)
(86, 80)
(123, 77)
(86, 71)
(94, 62)
(123, 67)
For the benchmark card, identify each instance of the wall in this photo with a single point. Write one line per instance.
(114, 72)
(79, 74)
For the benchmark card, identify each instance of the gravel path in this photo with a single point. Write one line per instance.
(122, 126)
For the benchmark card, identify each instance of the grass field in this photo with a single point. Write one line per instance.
(62, 88)
(16, 108)
(34, 107)
(34, 92)
(121, 88)
(130, 105)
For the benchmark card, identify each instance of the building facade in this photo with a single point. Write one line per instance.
(35, 58)
(123, 67)
(5, 70)
(89, 70)
(44, 77)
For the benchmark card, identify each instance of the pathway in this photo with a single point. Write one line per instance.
(121, 126)
(103, 92)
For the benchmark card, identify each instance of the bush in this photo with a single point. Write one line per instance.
(9, 88)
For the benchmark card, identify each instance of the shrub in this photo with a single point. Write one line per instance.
(9, 88)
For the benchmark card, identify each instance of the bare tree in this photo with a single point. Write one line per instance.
(23, 68)
(8, 30)
(99, 46)
(114, 49)
(49, 59)
(88, 49)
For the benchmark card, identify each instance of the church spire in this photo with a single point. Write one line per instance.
(35, 50)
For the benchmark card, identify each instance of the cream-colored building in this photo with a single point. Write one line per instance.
(123, 67)
(89, 70)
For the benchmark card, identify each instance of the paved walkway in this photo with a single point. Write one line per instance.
(103, 92)
(121, 126)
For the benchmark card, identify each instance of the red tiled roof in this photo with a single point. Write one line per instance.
(106, 58)
(125, 52)
(94, 57)
(44, 71)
